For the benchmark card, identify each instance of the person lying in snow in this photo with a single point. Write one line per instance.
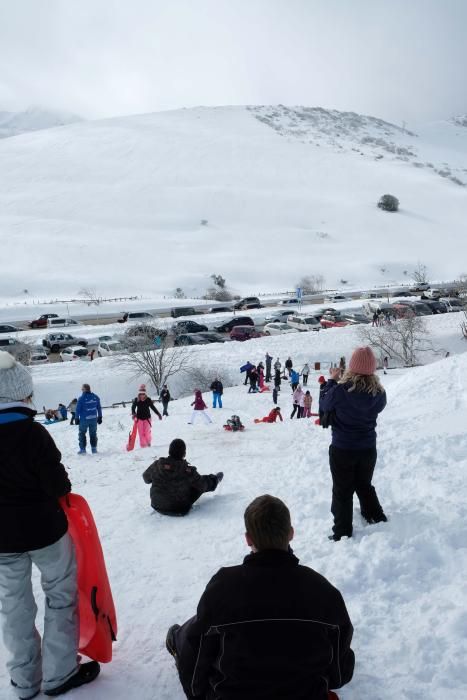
(267, 628)
(175, 484)
(272, 417)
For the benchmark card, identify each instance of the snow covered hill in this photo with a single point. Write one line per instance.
(262, 195)
(404, 581)
(33, 119)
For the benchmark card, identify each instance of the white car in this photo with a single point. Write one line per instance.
(279, 316)
(39, 358)
(74, 352)
(304, 323)
(277, 328)
(109, 347)
(335, 298)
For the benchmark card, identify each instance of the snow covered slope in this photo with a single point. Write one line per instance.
(33, 119)
(147, 203)
(404, 582)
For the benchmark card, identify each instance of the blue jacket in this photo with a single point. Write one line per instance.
(294, 377)
(88, 407)
(247, 367)
(355, 415)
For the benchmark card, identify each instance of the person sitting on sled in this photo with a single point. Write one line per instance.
(141, 411)
(271, 417)
(175, 484)
(269, 627)
(234, 424)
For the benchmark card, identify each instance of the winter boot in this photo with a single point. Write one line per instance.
(86, 673)
(29, 697)
(82, 452)
(94, 450)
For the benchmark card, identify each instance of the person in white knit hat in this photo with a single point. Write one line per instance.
(34, 530)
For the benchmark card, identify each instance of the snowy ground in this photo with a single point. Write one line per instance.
(404, 582)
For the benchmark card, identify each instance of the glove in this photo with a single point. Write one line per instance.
(99, 421)
(220, 476)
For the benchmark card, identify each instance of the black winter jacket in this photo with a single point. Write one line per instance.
(176, 485)
(32, 479)
(268, 628)
(165, 396)
(217, 387)
(142, 409)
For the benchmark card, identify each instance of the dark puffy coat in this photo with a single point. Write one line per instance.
(32, 479)
(217, 387)
(165, 396)
(142, 409)
(176, 485)
(288, 364)
(268, 628)
(354, 415)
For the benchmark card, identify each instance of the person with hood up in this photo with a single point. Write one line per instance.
(305, 373)
(352, 406)
(176, 484)
(34, 531)
(141, 411)
(298, 402)
(199, 408)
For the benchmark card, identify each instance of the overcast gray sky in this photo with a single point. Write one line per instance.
(397, 59)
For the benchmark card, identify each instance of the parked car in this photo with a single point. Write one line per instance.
(248, 303)
(6, 328)
(19, 350)
(436, 306)
(279, 316)
(303, 322)
(213, 337)
(74, 352)
(190, 339)
(109, 347)
(61, 322)
(278, 328)
(57, 341)
(402, 310)
(139, 316)
(333, 321)
(183, 311)
(355, 318)
(145, 329)
(290, 301)
(418, 307)
(41, 322)
(401, 293)
(244, 333)
(189, 327)
(333, 298)
(227, 326)
(39, 358)
(105, 338)
(39, 348)
(452, 304)
(326, 310)
(220, 309)
(420, 287)
(432, 294)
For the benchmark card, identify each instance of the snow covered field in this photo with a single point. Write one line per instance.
(119, 204)
(404, 582)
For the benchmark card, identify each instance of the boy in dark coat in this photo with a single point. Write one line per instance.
(268, 628)
(165, 400)
(175, 484)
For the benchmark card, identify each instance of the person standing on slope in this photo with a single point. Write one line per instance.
(72, 408)
(288, 365)
(165, 400)
(305, 373)
(141, 411)
(307, 401)
(277, 366)
(34, 530)
(298, 402)
(199, 408)
(217, 389)
(88, 417)
(294, 379)
(268, 359)
(352, 406)
(253, 388)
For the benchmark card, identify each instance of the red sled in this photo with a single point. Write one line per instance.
(97, 617)
(263, 389)
(132, 437)
(229, 429)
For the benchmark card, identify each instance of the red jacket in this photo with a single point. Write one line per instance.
(273, 416)
(198, 403)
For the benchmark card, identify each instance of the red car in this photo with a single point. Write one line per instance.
(330, 321)
(41, 322)
(244, 333)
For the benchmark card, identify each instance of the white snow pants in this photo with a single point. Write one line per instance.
(29, 665)
(202, 413)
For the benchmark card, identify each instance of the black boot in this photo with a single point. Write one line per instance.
(85, 674)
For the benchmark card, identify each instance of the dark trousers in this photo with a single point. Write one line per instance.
(297, 410)
(268, 373)
(72, 419)
(294, 386)
(305, 379)
(352, 472)
(165, 406)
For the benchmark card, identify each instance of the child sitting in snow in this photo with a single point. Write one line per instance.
(234, 424)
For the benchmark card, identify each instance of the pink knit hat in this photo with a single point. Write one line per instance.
(142, 389)
(363, 361)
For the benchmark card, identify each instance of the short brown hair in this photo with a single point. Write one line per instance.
(267, 521)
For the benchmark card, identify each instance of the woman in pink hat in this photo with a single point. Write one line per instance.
(351, 406)
(141, 411)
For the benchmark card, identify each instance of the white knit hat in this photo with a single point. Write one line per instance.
(15, 380)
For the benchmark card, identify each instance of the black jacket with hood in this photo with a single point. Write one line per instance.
(176, 485)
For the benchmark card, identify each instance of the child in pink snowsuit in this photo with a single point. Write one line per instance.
(141, 411)
(307, 401)
(199, 408)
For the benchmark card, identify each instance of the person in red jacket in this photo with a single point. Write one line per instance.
(272, 417)
(199, 408)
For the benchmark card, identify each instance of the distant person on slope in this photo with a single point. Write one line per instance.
(176, 484)
(217, 389)
(307, 401)
(72, 408)
(267, 628)
(268, 359)
(352, 406)
(277, 379)
(298, 402)
(88, 417)
(141, 411)
(34, 530)
(305, 373)
(288, 365)
(199, 408)
(165, 399)
(294, 379)
(253, 381)
(247, 367)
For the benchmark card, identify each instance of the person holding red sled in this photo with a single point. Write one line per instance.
(271, 417)
(34, 530)
(141, 411)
